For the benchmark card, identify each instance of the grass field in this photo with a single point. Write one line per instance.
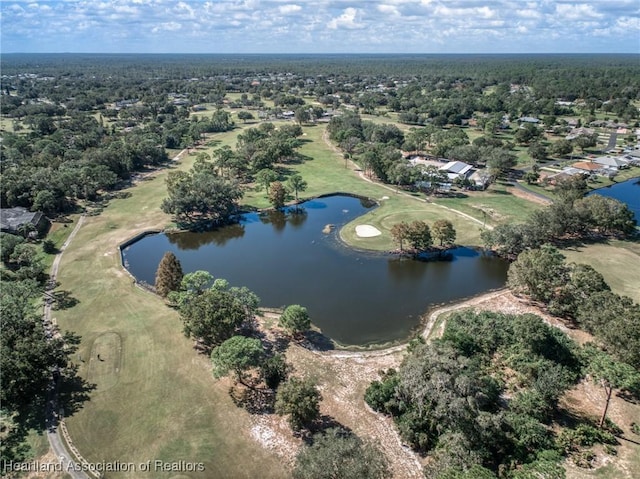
(617, 261)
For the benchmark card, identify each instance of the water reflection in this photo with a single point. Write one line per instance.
(218, 237)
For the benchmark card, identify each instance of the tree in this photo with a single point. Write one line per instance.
(168, 275)
(296, 184)
(300, 400)
(338, 454)
(419, 235)
(531, 177)
(400, 232)
(237, 354)
(443, 231)
(265, 177)
(538, 151)
(539, 273)
(274, 370)
(8, 243)
(611, 374)
(500, 161)
(215, 314)
(201, 194)
(302, 115)
(295, 319)
(245, 115)
(277, 195)
(562, 148)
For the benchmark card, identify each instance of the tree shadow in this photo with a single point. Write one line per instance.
(73, 391)
(316, 341)
(253, 400)
(322, 424)
(63, 300)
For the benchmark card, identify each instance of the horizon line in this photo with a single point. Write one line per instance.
(315, 53)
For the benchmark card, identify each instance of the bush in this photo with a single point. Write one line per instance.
(49, 247)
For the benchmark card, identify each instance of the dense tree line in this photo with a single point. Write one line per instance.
(579, 293)
(570, 217)
(454, 399)
(32, 353)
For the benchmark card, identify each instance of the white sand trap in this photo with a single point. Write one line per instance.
(367, 231)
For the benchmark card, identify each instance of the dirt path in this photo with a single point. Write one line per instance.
(56, 443)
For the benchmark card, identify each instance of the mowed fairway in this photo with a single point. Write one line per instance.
(618, 262)
(155, 398)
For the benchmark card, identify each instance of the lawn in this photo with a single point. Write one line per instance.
(494, 206)
(617, 261)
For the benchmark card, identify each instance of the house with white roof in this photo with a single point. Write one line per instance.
(612, 162)
(457, 170)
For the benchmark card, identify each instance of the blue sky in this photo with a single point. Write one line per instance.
(320, 26)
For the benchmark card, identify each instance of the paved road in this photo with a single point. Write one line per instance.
(540, 196)
(53, 431)
(613, 138)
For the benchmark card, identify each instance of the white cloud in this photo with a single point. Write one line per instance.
(346, 20)
(289, 9)
(167, 27)
(577, 11)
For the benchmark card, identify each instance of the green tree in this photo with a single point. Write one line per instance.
(277, 195)
(500, 161)
(611, 374)
(337, 454)
(562, 148)
(8, 243)
(265, 177)
(237, 354)
(443, 231)
(300, 400)
(168, 275)
(538, 151)
(296, 184)
(419, 236)
(274, 370)
(215, 314)
(295, 319)
(531, 177)
(201, 195)
(245, 115)
(538, 273)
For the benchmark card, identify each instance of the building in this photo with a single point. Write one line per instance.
(12, 220)
(612, 162)
(457, 170)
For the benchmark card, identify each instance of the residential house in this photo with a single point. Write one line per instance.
(457, 170)
(592, 168)
(576, 132)
(612, 162)
(13, 219)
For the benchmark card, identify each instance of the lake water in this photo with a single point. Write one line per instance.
(628, 192)
(354, 297)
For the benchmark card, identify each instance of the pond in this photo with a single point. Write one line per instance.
(354, 297)
(628, 192)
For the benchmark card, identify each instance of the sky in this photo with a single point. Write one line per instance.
(320, 26)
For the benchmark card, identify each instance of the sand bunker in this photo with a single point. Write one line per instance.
(367, 231)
